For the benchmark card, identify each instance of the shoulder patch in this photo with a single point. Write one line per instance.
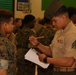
(74, 44)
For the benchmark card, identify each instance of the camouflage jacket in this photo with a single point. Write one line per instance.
(7, 53)
(23, 43)
(16, 30)
(48, 34)
(22, 37)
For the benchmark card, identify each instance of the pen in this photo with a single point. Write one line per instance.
(40, 37)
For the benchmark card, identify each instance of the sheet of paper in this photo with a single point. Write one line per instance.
(32, 56)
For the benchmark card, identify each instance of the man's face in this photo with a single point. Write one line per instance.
(58, 22)
(19, 23)
(9, 26)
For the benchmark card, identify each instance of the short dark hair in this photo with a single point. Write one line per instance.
(62, 10)
(17, 19)
(5, 15)
(71, 11)
(28, 18)
(43, 21)
(29, 21)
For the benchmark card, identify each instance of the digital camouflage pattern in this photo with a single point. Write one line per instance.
(22, 37)
(16, 30)
(48, 34)
(7, 53)
(25, 67)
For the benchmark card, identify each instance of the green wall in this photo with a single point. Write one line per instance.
(68, 3)
(6, 4)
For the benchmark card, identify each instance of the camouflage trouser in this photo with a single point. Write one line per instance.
(47, 71)
(12, 69)
(24, 69)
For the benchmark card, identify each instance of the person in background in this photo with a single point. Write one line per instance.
(72, 14)
(25, 67)
(63, 47)
(17, 25)
(7, 54)
(47, 32)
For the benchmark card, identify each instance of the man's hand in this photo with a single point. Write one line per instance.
(3, 72)
(33, 40)
(41, 57)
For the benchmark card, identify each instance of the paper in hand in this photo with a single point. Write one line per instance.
(32, 56)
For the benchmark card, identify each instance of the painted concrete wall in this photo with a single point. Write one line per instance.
(35, 7)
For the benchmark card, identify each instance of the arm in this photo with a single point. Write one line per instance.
(45, 49)
(3, 72)
(3, 66)
(62, 61)
(4, 63)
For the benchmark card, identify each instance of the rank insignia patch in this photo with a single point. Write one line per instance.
(74, 44)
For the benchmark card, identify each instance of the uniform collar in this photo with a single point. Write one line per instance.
(67, 27)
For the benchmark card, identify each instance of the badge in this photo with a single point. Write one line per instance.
(60, 41)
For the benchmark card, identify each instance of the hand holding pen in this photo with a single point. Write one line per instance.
(34, 40)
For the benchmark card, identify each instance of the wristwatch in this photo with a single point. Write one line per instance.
(45, 60)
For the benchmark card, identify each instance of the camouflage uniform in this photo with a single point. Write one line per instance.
(25, 67)
(48, 34)
(16, 30)
(7, 55)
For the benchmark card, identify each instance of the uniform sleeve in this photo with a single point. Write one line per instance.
(70, 46)
(22, 37)
(3, 64)
(3, 56)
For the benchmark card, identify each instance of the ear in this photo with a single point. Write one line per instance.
(5, 25)
(64, 17)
